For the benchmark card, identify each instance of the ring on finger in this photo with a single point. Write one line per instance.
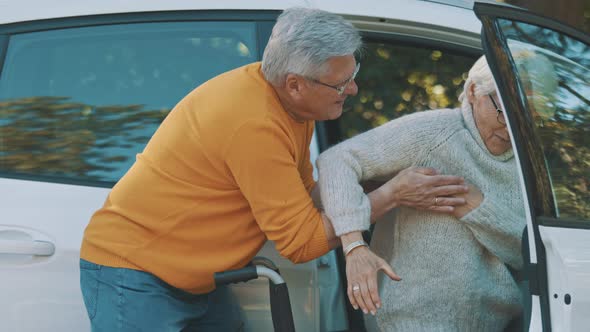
(356, 288)
(436, 201)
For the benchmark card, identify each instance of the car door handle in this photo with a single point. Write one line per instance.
(34, 247)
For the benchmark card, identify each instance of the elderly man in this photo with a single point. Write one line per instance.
(228, 169)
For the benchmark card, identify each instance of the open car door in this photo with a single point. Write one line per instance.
(542, 69)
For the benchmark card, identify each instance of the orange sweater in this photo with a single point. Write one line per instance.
(227, 170)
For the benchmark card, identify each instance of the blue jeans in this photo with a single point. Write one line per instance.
(119, 299)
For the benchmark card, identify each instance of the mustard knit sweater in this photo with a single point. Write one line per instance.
(227, 169)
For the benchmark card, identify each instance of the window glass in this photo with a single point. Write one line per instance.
(395, 80)
(553, 71)
(81, 103)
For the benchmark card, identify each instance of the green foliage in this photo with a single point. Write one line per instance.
(565, 136)
(566, 143)
(399, 80)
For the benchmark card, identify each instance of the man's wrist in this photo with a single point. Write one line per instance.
(348, 238)
(354, 245)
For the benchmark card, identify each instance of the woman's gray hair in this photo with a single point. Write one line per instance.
(535, 70)
(481, 76)
(303, 39)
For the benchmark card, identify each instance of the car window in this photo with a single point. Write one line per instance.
(396, 80)
(553, 70)
(80, 103)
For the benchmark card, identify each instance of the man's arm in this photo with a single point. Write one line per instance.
(381, 202)
(265, 171)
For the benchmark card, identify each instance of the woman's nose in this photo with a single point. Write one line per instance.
(352, 89)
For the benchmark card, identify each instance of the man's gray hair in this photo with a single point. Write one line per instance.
(303, 39)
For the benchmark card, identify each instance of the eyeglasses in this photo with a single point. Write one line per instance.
(500, 117)
(340, 88)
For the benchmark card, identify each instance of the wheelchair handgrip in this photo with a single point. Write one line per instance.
(235, 276)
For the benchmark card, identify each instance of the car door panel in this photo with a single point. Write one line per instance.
(542, 69)
(568, 253)
(42, 285)
(71, 123)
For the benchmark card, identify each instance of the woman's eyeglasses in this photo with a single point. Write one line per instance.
(500, 117)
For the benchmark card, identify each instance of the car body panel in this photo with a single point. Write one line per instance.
(46, 287)
(408, 10)
(568, 261)
(56, 211)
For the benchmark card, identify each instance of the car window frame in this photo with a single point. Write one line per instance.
(264, 20)
(540, 206)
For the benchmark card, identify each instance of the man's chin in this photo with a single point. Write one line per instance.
(335, 114)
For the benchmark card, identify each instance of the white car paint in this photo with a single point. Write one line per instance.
(47, 287)
(406, 10)
(568, 257)
(41, 293)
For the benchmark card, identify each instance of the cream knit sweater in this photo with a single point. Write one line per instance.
(455, 275)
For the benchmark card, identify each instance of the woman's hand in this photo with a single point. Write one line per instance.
(473, 199)
(424, 188)
(362, 266)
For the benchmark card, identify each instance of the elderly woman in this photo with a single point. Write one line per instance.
(455, 260)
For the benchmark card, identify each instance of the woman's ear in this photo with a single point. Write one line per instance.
(471, 93)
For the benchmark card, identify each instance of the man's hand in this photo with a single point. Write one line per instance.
(362, 266)
(424, 188)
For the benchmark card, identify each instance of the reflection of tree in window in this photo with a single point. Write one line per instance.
(547, 39)
(566, 133)
(53, 136)
(92, 101)
(566, 140)
(398, 80)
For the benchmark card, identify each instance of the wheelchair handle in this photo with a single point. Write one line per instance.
(280, 304)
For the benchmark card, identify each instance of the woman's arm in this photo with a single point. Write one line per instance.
(497, 228)
(383, 152)
(390, 149)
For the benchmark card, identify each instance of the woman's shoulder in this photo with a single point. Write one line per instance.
(424, 127)
(447, 115)
(438, 120)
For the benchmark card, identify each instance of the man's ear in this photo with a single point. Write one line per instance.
(293, 85)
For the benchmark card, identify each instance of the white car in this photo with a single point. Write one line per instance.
(83, 85)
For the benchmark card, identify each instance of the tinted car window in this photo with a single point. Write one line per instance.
(80, 103)
(396, 80)
(553, 70)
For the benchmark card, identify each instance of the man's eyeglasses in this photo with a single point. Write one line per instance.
(340, 88)
(500, 117)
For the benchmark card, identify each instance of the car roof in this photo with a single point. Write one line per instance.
(453, 14)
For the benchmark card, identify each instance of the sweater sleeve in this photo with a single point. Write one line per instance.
(307, 174)
(498, 229)
(307, 177)
(262, 160)
(382, 151)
